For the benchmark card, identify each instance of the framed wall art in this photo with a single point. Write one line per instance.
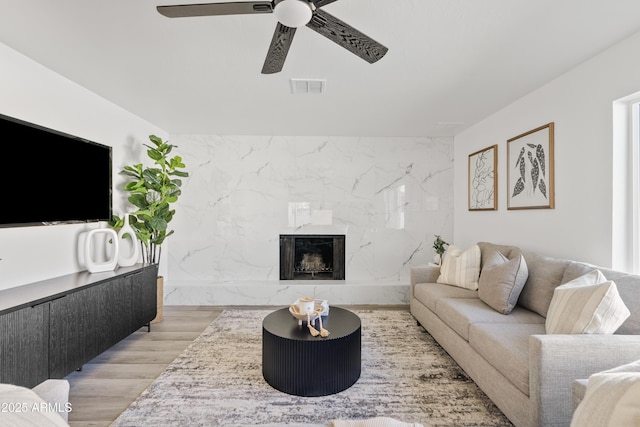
(483, 179)
(530, 169)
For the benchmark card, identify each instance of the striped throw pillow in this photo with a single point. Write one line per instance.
(589, 304)
(461, 268)
(611, 399)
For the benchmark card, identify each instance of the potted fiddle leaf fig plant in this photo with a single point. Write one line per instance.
(152, 190)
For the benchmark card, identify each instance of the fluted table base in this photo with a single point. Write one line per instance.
(295, 362)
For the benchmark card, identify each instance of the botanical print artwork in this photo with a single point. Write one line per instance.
(482, 179)
(535, 166)
(530, 169)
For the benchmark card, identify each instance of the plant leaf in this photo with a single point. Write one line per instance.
(540, 156)
(517, 189)
(543, 188)
(535, 171)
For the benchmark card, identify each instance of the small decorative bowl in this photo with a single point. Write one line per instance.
(311, 317)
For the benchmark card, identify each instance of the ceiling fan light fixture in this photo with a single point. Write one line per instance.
(293, 13)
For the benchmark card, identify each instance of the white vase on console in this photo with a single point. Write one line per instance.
(98, 250)
(127, 238)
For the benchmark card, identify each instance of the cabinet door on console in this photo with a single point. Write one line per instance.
(24, 346)
(144, 286)
(112, 322)
(70, 333)
(87, 322)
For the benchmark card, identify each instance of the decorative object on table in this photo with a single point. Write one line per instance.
(98, 250)
(306, 305)
(322, 332)
(152, 190)
(127, 239)
(530, 171)
(440, 246)
(483, 179)
(310, 309)
(312, 330)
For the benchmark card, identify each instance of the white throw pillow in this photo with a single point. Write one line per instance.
(461, 268)
(611, 399)
(589, 304)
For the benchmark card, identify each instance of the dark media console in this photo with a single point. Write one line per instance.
(49, 329)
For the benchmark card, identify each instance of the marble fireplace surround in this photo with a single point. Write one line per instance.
(388, 195)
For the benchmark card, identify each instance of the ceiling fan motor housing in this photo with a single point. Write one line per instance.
(293, 13)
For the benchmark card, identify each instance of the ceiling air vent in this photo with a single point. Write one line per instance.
(310, 86)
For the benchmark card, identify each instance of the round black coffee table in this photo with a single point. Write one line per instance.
(295, 362)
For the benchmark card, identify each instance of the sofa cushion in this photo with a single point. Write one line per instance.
(461, 268)
(611, 398)
(576, 269)
(460, 313)
(429, 293)
(502, 280)
(629, 290)
(545, 274)
(506, 347)
(589, 304)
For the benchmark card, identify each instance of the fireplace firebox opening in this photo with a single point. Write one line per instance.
(312, 257)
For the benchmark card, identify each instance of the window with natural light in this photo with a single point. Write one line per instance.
(626, 184)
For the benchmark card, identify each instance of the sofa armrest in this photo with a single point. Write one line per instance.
(55, 392)
(555, 361)
(427, 273)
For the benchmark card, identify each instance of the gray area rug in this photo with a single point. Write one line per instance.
(406, 375)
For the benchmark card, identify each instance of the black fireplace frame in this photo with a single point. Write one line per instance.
(287, 256)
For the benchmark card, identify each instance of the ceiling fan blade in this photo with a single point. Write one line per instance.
(346, 36)
(320, 3)
(278, 49)
(210, 9)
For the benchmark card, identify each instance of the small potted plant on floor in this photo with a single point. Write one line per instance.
(152, 190)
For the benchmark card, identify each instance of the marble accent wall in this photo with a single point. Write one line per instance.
(389, 196)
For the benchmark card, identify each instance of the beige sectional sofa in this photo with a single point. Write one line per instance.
(525, 371)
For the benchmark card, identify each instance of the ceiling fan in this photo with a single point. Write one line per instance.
(291, 14)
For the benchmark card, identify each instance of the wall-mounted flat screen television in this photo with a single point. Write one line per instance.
(50, 177)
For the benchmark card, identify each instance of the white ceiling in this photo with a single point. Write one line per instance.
(450, 63)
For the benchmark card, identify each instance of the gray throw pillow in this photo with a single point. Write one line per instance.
(501, 281)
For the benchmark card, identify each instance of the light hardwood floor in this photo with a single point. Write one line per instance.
(108, 384)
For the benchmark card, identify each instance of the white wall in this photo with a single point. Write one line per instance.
(580, 105)
(35, 94)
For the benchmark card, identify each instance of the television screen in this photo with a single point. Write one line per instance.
(49, 177)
